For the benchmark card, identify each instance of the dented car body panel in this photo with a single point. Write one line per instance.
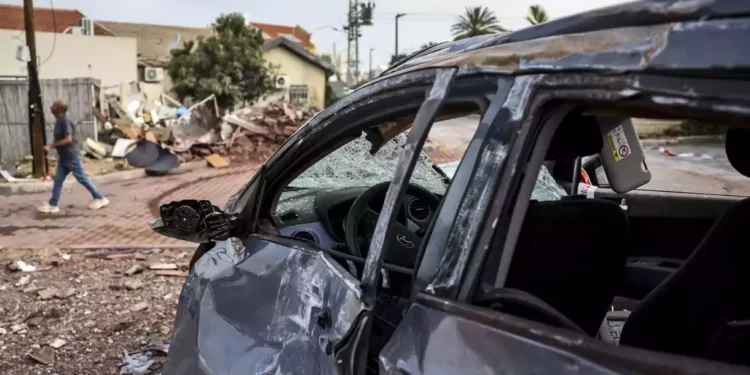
(258, 307)
(442, 343)
(263, 305)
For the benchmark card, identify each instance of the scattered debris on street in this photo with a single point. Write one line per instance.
(92, 312)
(159, 135)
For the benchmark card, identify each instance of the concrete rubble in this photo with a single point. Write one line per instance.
(180, 133)
(64, 333)
(200, 131)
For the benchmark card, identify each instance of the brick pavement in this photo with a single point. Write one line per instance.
(134, 203)
(124, 223)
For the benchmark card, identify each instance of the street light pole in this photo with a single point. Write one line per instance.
(398, 15)
(371, 63)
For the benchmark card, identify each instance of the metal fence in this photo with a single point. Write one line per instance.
(15, 141)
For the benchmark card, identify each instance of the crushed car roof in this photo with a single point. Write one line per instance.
(641, 21)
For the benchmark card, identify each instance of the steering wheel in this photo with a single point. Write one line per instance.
(403, 245)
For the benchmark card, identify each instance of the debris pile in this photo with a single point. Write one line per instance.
(248, 134)
(694, 155)
(158, 135)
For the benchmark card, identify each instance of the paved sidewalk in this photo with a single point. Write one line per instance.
(124, 223)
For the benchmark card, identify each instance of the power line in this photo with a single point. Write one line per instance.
(54, 35)
(440, 15)
(425, 20)
(331, 23)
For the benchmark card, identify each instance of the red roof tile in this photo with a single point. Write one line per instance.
(275, 31)
(11, 18)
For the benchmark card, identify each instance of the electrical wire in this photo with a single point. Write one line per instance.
(438, 15)
(332, 22)
(54, 35)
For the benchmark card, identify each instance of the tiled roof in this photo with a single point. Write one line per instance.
(153, 40)
(11, 18)
(275, 31)
(297, 49)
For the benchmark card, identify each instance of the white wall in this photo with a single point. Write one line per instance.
(300, 72)
(109, 59)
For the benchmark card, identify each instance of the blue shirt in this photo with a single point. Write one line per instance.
(63, 127)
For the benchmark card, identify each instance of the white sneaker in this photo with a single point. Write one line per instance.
(47, 209)
(98, 203)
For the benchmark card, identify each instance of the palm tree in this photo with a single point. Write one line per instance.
(476, 21)
(537, 15)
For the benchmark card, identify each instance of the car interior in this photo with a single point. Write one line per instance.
(650, 269)
(655, 270)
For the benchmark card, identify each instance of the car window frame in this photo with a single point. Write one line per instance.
(338, 129)
(549, 94)
(431, 259)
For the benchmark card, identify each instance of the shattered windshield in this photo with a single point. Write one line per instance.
(545, 188)
(352, 165)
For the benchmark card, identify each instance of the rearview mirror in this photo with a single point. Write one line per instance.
(194, 220)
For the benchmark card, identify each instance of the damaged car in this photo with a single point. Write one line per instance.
(540, 251)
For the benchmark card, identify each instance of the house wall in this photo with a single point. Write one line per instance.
(300, 72)
(109, 59)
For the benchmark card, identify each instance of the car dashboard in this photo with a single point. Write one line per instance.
(319, 216)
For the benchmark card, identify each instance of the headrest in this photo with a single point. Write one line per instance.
(578, 135)
(737, 143)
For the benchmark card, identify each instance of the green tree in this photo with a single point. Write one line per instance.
(228, 64)
(537, 15)
(476, 21)
(427, 45)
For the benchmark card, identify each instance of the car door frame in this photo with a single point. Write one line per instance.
(446, 301)
(328, 132)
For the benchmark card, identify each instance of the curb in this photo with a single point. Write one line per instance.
(126, 247)
(84, 248)
(695, 139)
(12, 188)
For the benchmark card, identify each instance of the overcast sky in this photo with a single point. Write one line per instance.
(426, 20)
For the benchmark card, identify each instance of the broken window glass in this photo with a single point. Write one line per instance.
(546, 188)
(352, 165)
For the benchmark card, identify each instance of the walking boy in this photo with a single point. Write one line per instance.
(68, 161)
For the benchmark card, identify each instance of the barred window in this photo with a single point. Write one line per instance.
(298, 94)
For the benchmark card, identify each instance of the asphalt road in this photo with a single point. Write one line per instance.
(696, 168)
(709, 156)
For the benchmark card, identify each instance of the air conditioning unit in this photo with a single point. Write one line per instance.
(282, 82)
(87, 26)
(76, 30)
(153, 74)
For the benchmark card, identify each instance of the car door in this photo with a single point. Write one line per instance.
(257, 302)
(447, 330)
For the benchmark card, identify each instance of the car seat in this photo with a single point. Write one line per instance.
(702, 310)
(571, 254)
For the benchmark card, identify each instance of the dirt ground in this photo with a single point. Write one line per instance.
(81, 311)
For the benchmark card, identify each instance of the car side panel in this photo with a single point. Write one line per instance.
(429, 341)
(260, 307)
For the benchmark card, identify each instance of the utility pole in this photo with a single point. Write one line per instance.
(398, 15)
(36, 114)
(351, 29)
(335, 63)
(359, 15)
(356, 43)
(370, 75)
